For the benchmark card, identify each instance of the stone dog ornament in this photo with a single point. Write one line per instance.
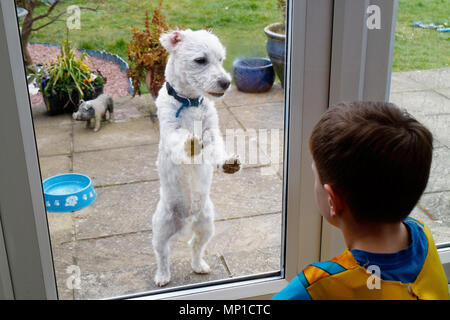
(95, 111)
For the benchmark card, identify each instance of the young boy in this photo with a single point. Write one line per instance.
(371, 165)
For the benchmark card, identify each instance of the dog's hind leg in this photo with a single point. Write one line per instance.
(164, 226)
(203, 229)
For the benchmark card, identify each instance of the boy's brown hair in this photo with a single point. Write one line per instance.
(376, 156)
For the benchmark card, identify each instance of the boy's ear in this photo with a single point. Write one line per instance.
(335, 200)
(171, 40)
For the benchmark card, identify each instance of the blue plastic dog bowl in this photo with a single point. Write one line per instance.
(68, 192)
(253, 74)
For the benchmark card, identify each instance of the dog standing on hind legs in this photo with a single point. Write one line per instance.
(191, 145)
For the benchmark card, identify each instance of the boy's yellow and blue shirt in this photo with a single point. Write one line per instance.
(415, 272)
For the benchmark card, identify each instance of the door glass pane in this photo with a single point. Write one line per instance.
(103, 249)
(421, 84)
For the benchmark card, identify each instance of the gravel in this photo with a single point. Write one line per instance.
(116, 80)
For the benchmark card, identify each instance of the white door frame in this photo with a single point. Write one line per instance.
(361, 64)
(322, 36)
(25, 240)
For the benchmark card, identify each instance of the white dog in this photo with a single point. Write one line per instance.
(191, 145)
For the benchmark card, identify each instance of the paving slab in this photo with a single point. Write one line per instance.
(437, 143)
(401, 82)
(54, 140)
(264, 122)
(54, 165)
(131, 108)
(61, 226)
(246, 193)
(421, 103)
(118, 166)
(42, 119)
(246, 144)
(445, 92)
(125, 264)
(124, 113)
(118, 210)
(182, 273)
(439, 125)
(262, 116)
(433, 78)
(247, 234)
(440, 171)
(219, 103)
(114, 135)
(134, 280)
(260, 260)
(227, 121)
(439, 230)
(115, 283)
(234, 97)
(437, 205)
(234, 235)
(115, 252)
(63, 261)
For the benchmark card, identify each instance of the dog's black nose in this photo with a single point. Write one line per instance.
(224, 83)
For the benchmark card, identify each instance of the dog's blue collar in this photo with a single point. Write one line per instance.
(185, 102)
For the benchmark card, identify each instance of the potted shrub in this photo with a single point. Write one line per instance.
(276, 47)
(68, 79)
(146, 55)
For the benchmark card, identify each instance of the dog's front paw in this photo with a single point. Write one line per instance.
(201, 268)
(232, 165)
(193, 146)
(161, 279)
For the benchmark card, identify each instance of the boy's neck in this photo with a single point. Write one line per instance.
(376, 238)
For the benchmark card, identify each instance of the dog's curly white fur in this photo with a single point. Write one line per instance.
(187, 157)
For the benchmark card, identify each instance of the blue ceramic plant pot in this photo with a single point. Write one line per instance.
(253, 74)
(276, 47)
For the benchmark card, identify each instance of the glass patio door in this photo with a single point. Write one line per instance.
(105, 250)
(267, 228)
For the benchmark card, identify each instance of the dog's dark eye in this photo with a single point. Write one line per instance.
(201, 60)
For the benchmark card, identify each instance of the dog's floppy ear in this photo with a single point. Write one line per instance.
(171, 39)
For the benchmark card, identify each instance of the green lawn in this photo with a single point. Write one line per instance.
(417, 48)
(239, 24)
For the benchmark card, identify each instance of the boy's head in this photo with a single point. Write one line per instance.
(374, 156)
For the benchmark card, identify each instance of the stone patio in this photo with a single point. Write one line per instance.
(426, 95)
(110, 241)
